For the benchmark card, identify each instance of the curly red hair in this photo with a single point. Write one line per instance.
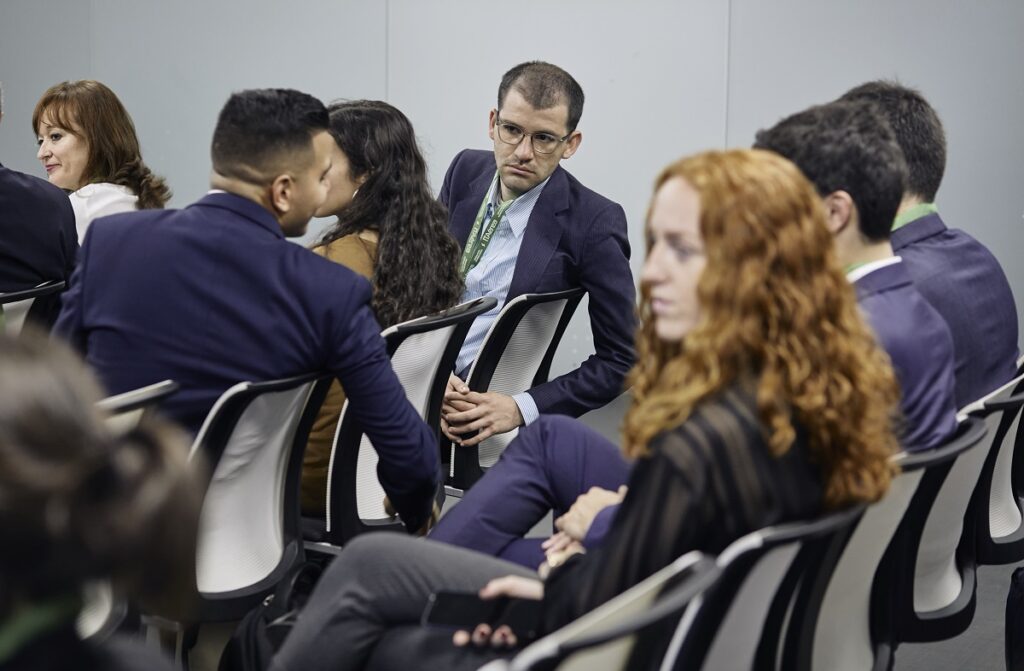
(776, 308)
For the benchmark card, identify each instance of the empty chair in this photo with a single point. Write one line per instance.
(515, 355)
(423, 353)
(605, 637)
(998, 503)
(17, 306)
(738, 622)
(249, 531)
(853, 628)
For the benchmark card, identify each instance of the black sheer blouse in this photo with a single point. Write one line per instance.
(705, 484)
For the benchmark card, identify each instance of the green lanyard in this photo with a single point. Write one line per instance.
(26, 623)
(478, 240)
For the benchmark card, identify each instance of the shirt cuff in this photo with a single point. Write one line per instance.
(527, 407)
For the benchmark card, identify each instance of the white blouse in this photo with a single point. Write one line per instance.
(99, 200)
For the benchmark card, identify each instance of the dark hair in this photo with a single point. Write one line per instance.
(845, 146)
(544, 85)
(262, 132)
(416, 270)
(78, 502)
(91, 111)
(918, 132)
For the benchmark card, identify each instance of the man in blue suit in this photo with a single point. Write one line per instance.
(849, 153)
(214, 294)
(528, 226)
(955, 273)
(37, 232)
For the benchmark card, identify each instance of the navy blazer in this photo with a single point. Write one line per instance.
(574, 238)
(920, 347)
(212, 295)
(965, 283)
(38, 241)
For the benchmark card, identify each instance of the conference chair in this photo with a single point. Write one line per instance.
(606, 637)
(998, 502)
(102, 613)
(16, 306)
(249, 532)
(423, 353)
(853, 629)
(515, 355)
(741, 621)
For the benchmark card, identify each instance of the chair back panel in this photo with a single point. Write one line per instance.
(519, 364)
(14, 315)
(17, 306)
(937, 581)
(1004, 518)
(842, 635)
(240, 528)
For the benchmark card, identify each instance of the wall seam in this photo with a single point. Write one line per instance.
(728, 64)
(387, 50)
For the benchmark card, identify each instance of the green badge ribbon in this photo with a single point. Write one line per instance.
(478, 239)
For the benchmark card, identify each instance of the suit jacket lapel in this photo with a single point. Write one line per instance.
(466, 208)
(543, 231)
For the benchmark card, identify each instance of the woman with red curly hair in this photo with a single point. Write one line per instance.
(760, 397)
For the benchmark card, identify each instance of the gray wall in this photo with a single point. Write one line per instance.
(663, 79)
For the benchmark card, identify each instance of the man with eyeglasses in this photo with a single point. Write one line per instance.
(528, 226)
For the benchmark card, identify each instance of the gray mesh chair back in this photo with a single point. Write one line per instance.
(17, 306)
(249, 532)
(998, 504)
(605, 637)
(423, 353)
(101, 612)
(740, 622)
(853, 629)
(515, 355)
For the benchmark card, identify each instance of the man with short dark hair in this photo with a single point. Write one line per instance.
(214, 294)
(849, 153)
(38, 242)
(527, 226)
(956, 274)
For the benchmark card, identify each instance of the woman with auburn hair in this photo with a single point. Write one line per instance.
(389, 229)
(88, 147)
(81, 503)
(760, 397)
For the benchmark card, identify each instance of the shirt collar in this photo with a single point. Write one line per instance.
(518, 213)
(913, 214)
(857, 272)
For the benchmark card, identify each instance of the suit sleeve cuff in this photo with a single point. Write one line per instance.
(527, 407)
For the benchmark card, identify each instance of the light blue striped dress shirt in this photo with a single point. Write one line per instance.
(492, 277)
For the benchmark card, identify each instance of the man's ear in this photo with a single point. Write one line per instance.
(281, 193)
(572, 144)
(839, 209)
(491, 120)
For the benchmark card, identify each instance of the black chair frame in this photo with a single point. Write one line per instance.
(1008, 549)
(42, 313)
(466, 469)
(344, 515)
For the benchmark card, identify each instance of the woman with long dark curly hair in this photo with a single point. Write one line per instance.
(760, 397)
(390, 229)
(88, 147)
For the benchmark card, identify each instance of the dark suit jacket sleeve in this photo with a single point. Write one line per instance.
(605, 274)
(409, 467)
(69, 325)
(446, 187)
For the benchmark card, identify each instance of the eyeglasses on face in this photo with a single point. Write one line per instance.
(543, 143)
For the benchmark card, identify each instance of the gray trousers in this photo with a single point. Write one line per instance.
(365, 612)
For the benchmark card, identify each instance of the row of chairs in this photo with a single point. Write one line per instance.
(250, 534)
(838, 593)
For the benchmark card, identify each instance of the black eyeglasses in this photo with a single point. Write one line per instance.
(543, 143)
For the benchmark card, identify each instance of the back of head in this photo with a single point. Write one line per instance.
(417, 258)
(262, 133)
(89, 109)
(544, 86)
(774, 305)
(77, 502)
(918, 131)
(845, 146)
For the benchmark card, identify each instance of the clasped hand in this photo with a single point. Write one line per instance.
(514, 586)
(487, 413)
